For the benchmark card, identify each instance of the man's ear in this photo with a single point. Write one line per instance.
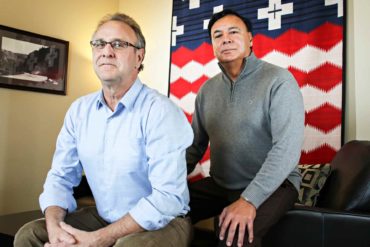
(140, 56)
(250, 39)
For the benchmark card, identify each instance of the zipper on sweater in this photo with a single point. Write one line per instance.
(232, 91)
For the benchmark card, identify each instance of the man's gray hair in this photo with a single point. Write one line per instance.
(131, 23)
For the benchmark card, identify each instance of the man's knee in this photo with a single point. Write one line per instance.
(31, 234)
(178, 233)
(180, 230)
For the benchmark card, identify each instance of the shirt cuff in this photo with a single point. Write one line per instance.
(148, 217)
(48, 199)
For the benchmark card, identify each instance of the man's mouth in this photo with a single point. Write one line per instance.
(227, 50)
(106, 64)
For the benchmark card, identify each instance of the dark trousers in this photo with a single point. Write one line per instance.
(207, 199)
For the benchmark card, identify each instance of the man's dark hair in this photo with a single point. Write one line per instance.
(215, 17)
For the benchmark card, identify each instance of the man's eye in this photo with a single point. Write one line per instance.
(99, 44)
(117, 44)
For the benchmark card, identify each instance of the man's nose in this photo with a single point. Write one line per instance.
(226, 39)
(108, 50)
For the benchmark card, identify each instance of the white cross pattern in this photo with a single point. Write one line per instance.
(176, 30)
(216, 9)
(339, 3)
(194, 4)
(274, 12)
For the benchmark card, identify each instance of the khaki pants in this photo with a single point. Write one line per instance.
(177, 233)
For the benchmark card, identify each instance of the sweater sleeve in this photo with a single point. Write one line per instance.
(200, 143)
(286, 115)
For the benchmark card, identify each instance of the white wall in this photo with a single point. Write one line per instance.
(357, 109)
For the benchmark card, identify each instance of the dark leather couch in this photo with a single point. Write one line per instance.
(341, 216)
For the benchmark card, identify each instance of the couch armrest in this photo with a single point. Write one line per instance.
(306, 226)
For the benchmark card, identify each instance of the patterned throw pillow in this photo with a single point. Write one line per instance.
(313, 179)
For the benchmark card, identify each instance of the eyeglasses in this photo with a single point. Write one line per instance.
(115, 44)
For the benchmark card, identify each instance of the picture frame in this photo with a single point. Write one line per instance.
(32, 62)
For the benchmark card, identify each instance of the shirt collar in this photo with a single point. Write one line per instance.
(128, 99)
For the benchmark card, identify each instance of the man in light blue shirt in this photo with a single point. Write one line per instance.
(130, 141)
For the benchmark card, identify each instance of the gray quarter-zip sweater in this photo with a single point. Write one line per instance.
(254, 126)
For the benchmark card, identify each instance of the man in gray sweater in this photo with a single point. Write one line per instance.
(252, 115)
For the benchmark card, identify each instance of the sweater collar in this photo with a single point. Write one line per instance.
(249, 64)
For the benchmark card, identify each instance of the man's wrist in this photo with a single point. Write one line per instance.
(247, 200)
(54, 215)
(105, 237)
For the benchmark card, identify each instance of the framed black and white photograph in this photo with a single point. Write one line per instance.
(33, 62)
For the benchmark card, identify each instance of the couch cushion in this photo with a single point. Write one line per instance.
(313, 180)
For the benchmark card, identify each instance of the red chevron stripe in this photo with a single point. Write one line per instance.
(195, 86)
(189, 116)
(325, 118)
(326, 36)
(300, 76)
(325, 77)
(181, 56)
(180, 88)
(203, 55)
(325, 152)
(293, 40)
(289, 42)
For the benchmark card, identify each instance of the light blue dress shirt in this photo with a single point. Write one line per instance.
(133, 158)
